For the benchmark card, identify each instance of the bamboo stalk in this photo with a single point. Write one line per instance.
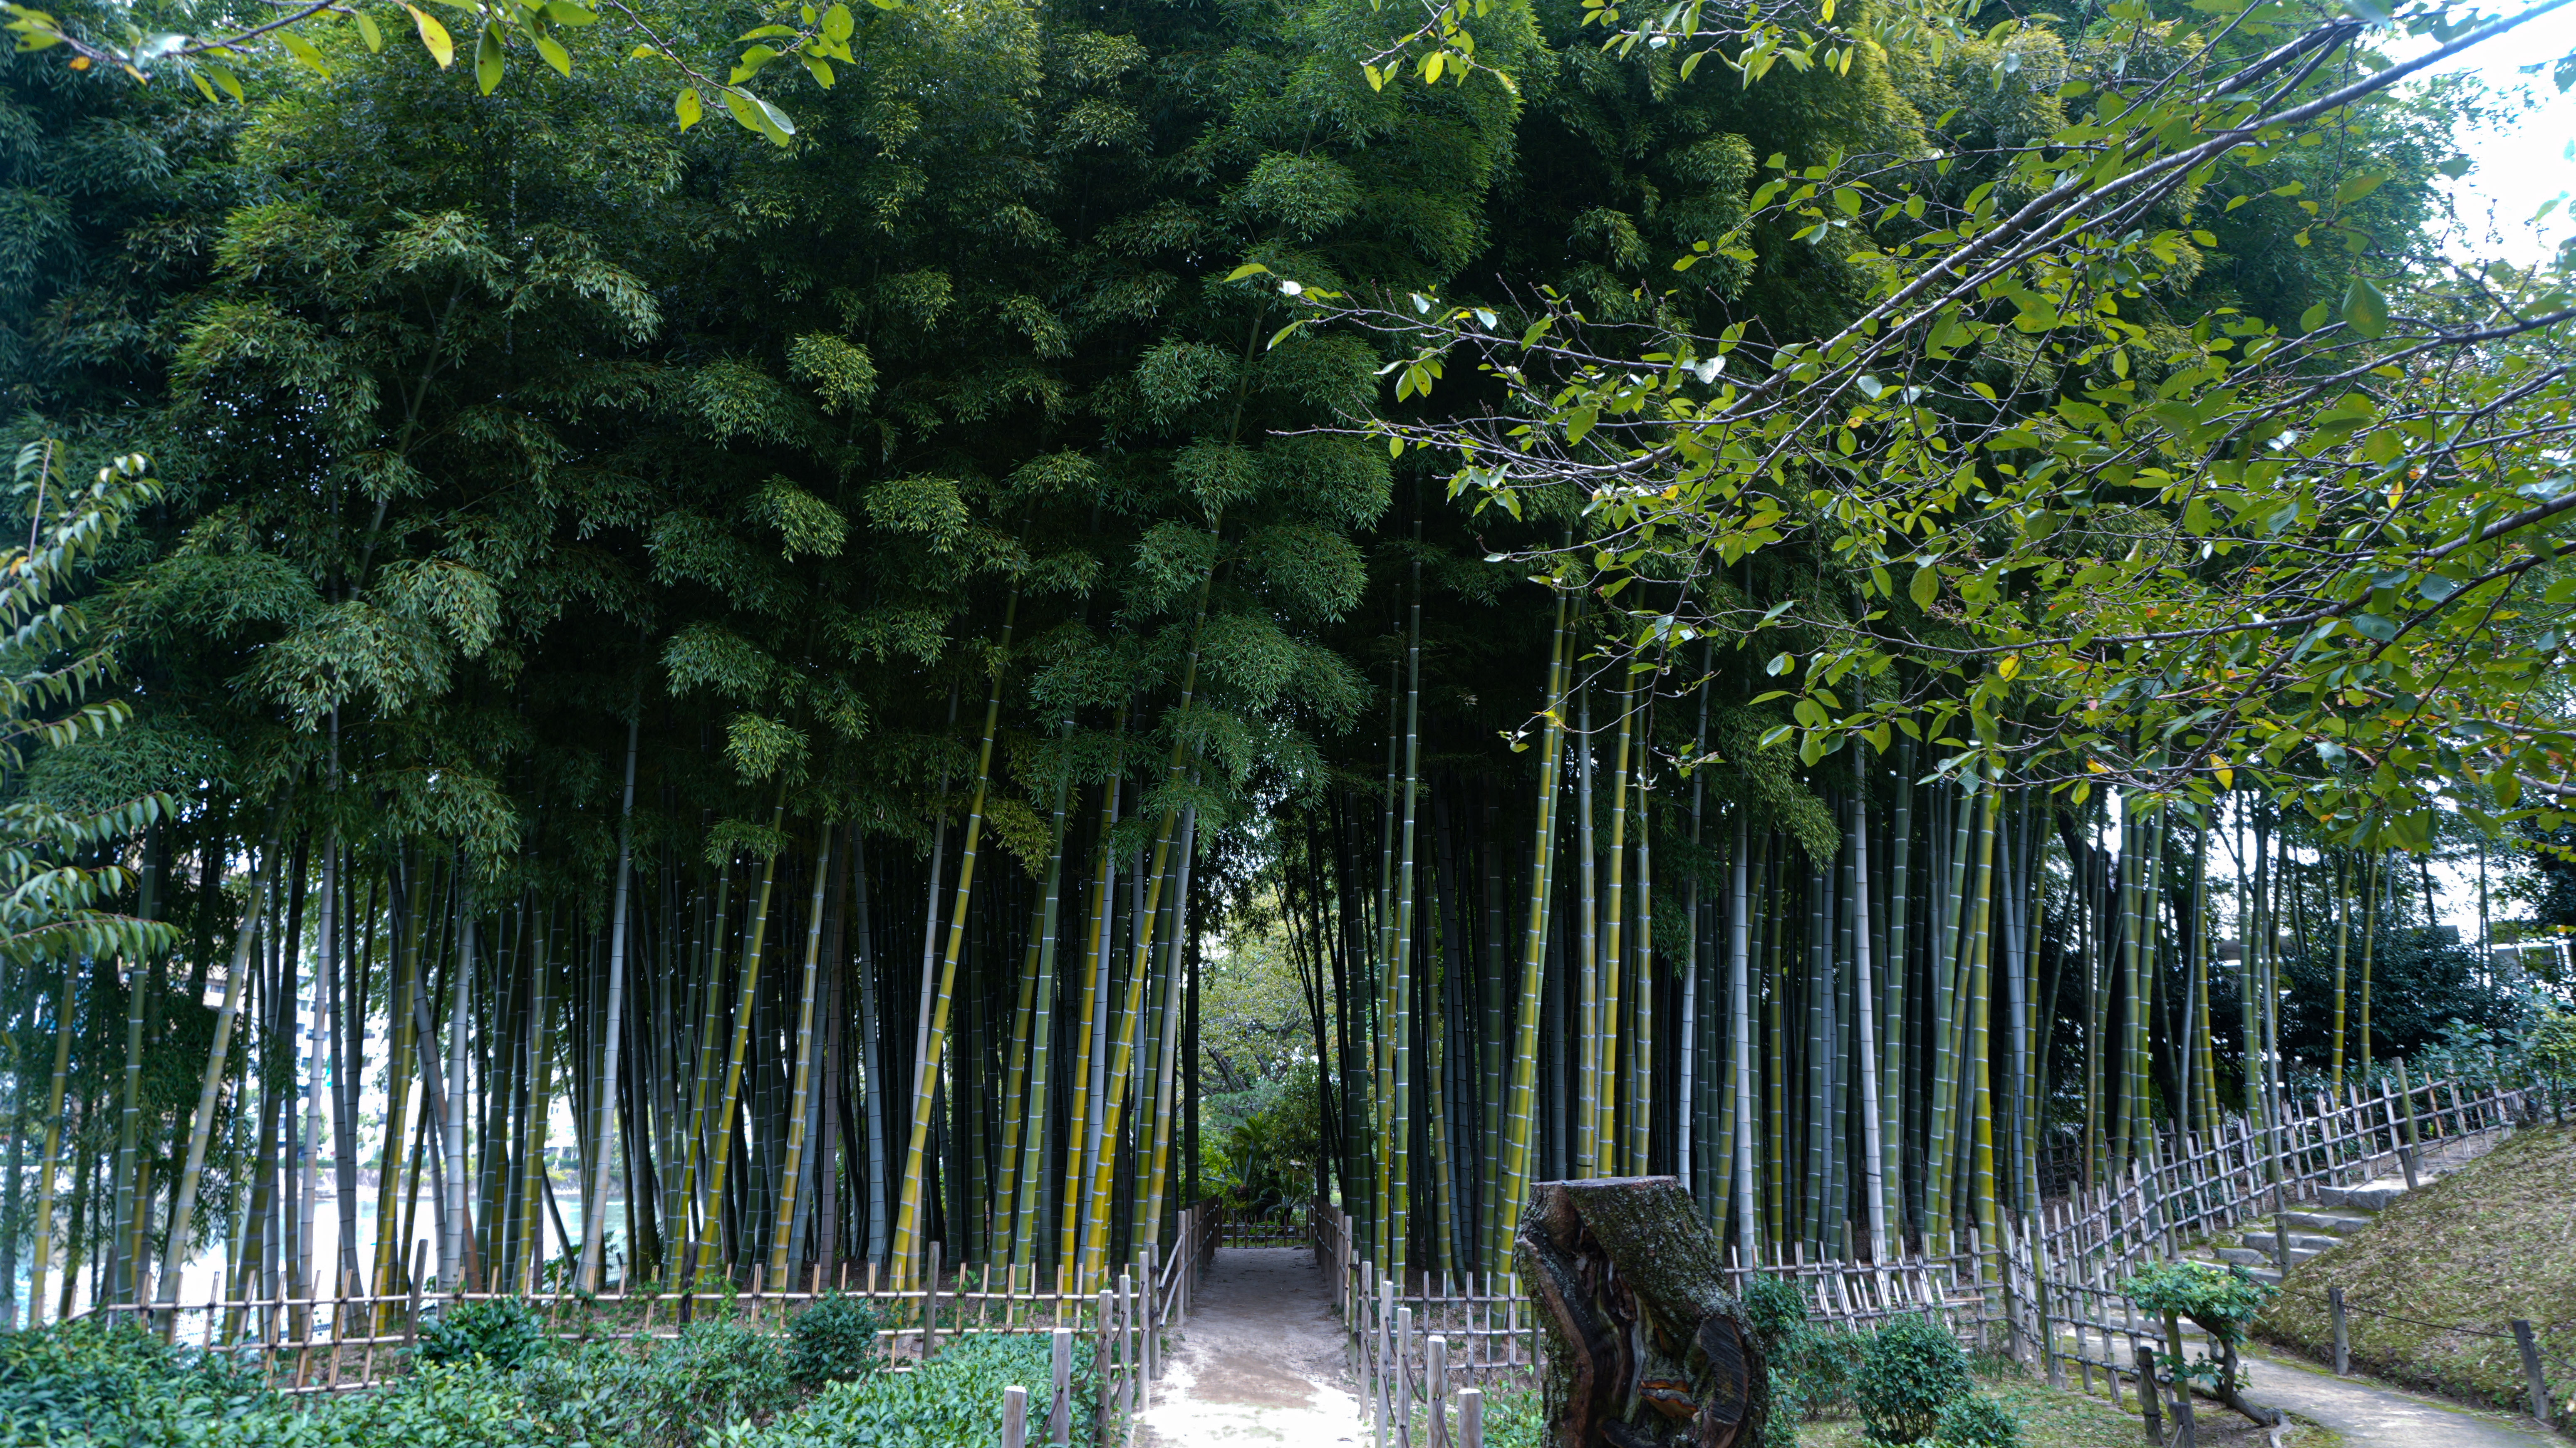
(801, 1094)
(720, 1127)
(201, 1128)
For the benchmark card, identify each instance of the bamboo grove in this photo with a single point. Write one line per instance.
(706, 705)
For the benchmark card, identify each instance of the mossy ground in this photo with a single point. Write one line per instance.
(2064, 1418)
(2434, 1285)
(2050, 1418)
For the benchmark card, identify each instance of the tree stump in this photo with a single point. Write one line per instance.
(1645, 1346)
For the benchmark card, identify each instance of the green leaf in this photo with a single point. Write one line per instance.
(2357, 187)
(691, 110)
(2365, 308)
(367, 31)
(1248, 269)
(754, 114)
(818, 68)
(554, 53)
(764, 32)
(487, 59)
(565, 12)
(1925, 588)
(838, 25)
(227, 81)
(305, 51)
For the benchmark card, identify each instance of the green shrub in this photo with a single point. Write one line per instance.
(1910, 1371)
(834, 1341)
(1812, 1369)
(1515, 1418)
(1774, 1310)
(1788, 1409)
(1976, 1422)
(682, 1393)
(502, 1331)
(955, 1399)
(91, 1379)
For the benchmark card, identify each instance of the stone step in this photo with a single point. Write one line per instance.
(2308, 1242)
(2369, 1197)
(2337, 1224)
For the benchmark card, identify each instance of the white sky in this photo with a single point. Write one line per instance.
(2518, 168)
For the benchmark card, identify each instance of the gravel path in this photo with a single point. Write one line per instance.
(2370, 1415)
(1258, 1361)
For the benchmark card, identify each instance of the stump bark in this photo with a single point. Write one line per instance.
(1645, 1346)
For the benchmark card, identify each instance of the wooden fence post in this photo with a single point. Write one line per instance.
(2150, 1402)
(1471, 1418)
(1435, 1386)
(1101, 1357)
(1015, 1417)
(411, 1319)
(1060, 1410)
(2342, 1339)
(2531, 1369)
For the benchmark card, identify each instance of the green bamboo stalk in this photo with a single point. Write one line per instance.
(1522, 1130)
(2343, 942)
(1587, 968)
(532, 1147)
(1739, 997)
(1400, 1123)
(401, 1004)
(1900, 903)
(594, 1208)
(1945, 1063)
(2371, 886)
(1169, 1040)
(1077, 1152)
(49, 1163)
(1605, 1129)
(1641, 1010)
(800, 1095)
(1873, 1141)
(201, 1129)
(1980, 1021)
(702, 1080)
(720, 1126)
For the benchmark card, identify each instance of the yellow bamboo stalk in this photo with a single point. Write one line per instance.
(711, 1230)
(1123, 1053)
(1077, 1144)
(800, 1096)
(907, 1219)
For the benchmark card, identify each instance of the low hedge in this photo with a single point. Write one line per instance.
(88, 1385)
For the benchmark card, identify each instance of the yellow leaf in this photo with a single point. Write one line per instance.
(434, 36)
(691, 109)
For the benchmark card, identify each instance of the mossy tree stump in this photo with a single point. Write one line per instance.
(1645, 1346)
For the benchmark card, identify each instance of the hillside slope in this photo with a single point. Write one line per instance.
(2432, 1287)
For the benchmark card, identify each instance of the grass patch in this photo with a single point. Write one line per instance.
(2493, 1241)
(2050, 1418)
(2062, 1418)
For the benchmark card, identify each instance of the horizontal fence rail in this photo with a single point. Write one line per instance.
(2045, 1291)
(318, 1345)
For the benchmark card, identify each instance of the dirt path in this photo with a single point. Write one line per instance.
(2370, 1415)
(1258, 1360)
